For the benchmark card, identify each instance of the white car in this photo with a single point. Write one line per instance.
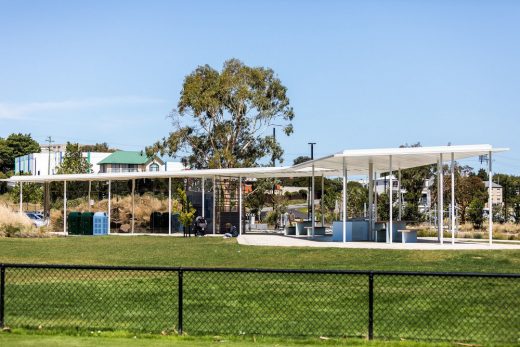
(37, 219)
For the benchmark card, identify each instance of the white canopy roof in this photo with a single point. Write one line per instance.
(357, 162)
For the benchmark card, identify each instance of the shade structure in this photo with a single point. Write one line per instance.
(358, 160)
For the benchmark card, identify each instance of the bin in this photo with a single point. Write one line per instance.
(74, 223)
(156, 221)
(100, 224)
(176, 224)
(87, 223)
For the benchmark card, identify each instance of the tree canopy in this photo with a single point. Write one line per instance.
(16, 145)
(73, 161)
(222, 117)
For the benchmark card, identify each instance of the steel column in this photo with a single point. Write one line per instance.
(490, 201)
(345, 216)
(213, 216)
(321, 200)
(375, 204)
(312, 201)
(371, 201)
(89, 191)
(453, 198)
(441, 200)
(169, 205)
(399, 195)
(20, 208)
(65, 207)
(240, 205)
(203, 198)
(133, 206)
(109, 203)
(391, 202)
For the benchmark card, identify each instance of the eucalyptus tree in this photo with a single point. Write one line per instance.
(222, 117)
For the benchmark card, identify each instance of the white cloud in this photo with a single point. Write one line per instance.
(22, 110)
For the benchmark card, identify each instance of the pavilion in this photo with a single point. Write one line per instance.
(367, 162)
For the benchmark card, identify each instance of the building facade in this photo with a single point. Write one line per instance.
(44, 163)
(130, 161)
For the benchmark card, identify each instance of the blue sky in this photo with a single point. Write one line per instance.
(360, 74)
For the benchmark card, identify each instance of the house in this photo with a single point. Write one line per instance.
(382, 184)
(496, 193)
(130, 161)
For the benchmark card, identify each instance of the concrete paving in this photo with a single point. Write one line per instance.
(325, 241)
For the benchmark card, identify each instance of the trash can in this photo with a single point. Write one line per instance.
(176, 224)
(100, 224)
(74, 223)
(87, 223)
(155, 221)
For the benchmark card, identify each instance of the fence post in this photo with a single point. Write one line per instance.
(179, 325)
(2, 294)
(371, 305)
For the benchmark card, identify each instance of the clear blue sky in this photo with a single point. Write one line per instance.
(360, 74)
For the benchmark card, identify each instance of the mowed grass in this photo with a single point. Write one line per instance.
(439, 308)
(218, 252)
(38, 340)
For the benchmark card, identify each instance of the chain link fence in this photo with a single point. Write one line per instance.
(374, 305)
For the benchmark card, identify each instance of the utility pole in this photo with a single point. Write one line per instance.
(309, 195)
(47, 190)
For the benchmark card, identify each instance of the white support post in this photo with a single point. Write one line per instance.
(169, 205)
(312, 202)
(391, 202)
(213, 216)
(490, 201)
(203, 198)
(65, 207)
(89, 191)
(399, 196)
(375, 204)
(109, 204)
(240, 205)
(345, 216)
(321, 200)
(133, 206)
(441, 200)
(453, 198)
(371, 201)
(20, 208)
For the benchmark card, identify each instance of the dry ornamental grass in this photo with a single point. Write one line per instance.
(14, 224)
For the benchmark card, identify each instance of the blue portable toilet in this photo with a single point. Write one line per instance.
(100, 225)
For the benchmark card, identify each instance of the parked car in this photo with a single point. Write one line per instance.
(37, 219)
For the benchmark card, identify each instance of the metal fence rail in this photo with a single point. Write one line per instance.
(368, 304)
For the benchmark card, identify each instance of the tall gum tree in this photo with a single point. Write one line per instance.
(222, 117)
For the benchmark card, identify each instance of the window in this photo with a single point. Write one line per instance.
(154, 167)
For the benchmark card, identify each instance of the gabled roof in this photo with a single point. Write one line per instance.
(127, 157)
(495, 185)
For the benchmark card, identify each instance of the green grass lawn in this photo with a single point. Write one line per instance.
(218, 252)
(38, 340)
(257, 304)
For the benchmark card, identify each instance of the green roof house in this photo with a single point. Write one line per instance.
(130, 161)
